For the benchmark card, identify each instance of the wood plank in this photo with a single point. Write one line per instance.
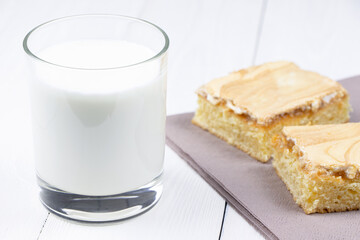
(322, 36)
(236, 227)
(22, 215)
(208, 39)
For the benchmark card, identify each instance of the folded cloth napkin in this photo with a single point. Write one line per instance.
(253, 188)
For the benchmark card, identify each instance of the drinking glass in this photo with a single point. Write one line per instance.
(98, 102)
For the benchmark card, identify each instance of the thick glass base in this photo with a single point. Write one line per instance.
(100, 208)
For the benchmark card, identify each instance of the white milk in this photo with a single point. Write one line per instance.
(98, 132)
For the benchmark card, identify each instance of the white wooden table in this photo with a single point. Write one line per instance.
(208, 39)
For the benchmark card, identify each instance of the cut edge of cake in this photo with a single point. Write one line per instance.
(252, 138)
(317, 188)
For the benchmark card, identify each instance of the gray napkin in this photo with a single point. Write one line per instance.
(253, 188)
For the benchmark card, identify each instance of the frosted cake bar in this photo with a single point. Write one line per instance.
(248, 107)
(320, 165)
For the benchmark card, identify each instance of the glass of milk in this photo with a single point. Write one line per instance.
(98, 97)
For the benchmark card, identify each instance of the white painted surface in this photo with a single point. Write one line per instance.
(236, 228)
(322, 36)
(208, 39)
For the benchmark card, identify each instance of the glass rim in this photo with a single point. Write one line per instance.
(155, 56)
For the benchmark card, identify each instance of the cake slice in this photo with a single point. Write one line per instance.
(320, 166)
(248, 107)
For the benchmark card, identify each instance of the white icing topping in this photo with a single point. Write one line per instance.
(212, 100)
(315, 104)
(328, 98)
(236, 110)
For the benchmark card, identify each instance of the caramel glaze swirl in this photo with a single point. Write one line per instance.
(270, 90)
(332, 149)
